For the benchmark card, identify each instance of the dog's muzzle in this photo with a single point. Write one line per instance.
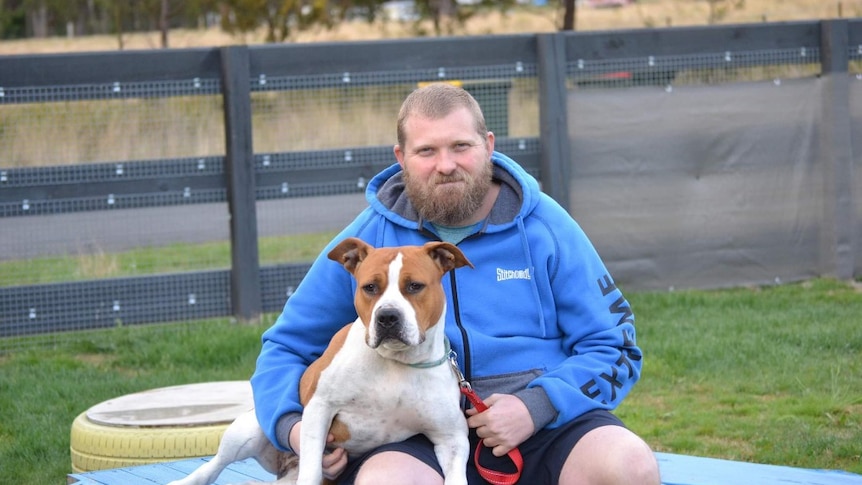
(388, 326)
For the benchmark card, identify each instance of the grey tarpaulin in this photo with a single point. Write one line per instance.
(706, 186)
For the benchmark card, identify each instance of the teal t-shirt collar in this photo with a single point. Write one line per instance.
(455, 235)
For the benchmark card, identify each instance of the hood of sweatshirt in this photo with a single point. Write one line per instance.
(519, 194)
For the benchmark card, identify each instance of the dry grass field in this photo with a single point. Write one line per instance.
(765, 375)
(134, 129)
(643, 14)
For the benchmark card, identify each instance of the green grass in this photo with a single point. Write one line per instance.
(42, 391)
(768, 375)
(154, 260)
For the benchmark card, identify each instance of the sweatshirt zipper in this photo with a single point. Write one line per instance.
(456, 308)
(467, 370)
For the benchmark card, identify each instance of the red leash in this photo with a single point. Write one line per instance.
(492, 476)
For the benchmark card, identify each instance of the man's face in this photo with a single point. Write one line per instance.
(447, 167)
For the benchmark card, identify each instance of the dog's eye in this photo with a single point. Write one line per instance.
(414, 287)
(371, 289)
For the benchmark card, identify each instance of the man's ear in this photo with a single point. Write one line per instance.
(399, 154)
(489, 144)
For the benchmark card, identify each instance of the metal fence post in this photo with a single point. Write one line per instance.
(555, 153)
(838, 238)
(239, 168)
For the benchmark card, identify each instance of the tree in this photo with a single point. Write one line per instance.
(447, 15)
(161, 15)
(13, 19)
(281, 17)
(163, 22)
(569, 14)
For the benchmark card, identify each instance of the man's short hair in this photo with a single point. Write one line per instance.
(435, 101)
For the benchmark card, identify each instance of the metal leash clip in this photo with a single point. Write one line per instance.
(453, 362)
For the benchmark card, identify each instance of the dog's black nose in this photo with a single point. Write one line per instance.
(388, 318)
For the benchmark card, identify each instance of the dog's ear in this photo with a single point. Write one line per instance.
(350, 252)
(446, 255)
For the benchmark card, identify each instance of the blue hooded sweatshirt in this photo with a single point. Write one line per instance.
(538, 317)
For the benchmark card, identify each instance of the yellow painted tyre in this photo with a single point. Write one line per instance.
(165, 424)
(97, 447)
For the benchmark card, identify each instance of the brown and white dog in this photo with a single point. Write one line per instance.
(382, 379)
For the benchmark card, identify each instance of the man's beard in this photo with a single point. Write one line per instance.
(449, 205)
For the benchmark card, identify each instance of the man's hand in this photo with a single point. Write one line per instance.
(504, 425)
(334, 462)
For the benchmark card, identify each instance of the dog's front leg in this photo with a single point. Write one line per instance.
(316, 420)
(453, 452)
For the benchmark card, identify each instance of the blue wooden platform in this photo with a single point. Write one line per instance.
(675, 470)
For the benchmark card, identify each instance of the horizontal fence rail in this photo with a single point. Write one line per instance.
(243, 175)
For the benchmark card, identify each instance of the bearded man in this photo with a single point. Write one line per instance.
(539, 327)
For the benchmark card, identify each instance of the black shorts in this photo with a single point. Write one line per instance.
(544, 453)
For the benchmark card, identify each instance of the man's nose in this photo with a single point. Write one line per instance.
(446, 163)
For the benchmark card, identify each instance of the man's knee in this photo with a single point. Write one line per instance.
(639, 465)
(396, 467)
(611, 455)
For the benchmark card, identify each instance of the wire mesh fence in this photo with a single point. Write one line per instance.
(114, 209)
(336, 122)
(698, 69)
(146, 134)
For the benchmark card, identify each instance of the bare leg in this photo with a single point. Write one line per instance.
(610, 455)
(396, 467)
